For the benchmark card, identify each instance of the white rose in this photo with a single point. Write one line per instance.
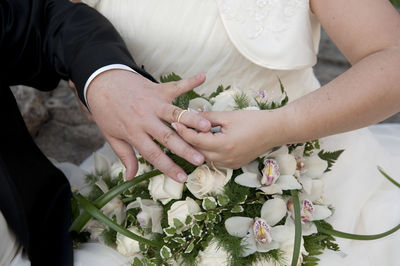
(181, 209)
(143, 168)
(200, 104)
(205, 180)
(225, 101)
(150, 214)
(164, 188)
(213, 255)
(116, 169)
(127, 246)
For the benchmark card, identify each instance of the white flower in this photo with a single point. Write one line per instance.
(205, 180)
(101, 164)
(200, 105)
(213, 255)
(309, 166)
(225, 101)
(116, 169)
(115, 207)
(181, 209)
(164, 188)
(257, 234)
(150, 215)
(127, 246)
(276, 175)
(95, 228)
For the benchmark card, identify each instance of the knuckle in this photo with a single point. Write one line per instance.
(166, 136)
(154, 156)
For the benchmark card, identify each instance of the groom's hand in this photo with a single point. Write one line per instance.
(131, 111)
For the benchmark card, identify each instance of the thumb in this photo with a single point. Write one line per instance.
(126, 154)
(186, 85)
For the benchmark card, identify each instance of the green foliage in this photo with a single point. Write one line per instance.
(396, 3)
(242, 101)
(219, 90)
(330, 157)
(316, 243)
(109, 237)
(170, 78)
(79, 238)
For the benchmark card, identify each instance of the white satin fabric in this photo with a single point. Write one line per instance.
(190, 36)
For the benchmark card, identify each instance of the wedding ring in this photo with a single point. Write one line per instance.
(212, 164)
(180, 115)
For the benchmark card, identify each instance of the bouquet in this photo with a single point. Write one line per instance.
(269, 212)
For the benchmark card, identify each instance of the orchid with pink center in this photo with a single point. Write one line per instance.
(276, 176)
(258, 233)
(149, 216)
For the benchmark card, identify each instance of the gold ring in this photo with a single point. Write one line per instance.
(180, 115)
(212, 164)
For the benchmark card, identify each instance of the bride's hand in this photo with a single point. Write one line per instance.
(244, 136)
(131, 111)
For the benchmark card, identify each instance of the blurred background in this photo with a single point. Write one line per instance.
(63, 132)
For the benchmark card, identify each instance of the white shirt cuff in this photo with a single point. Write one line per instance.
(101, 70)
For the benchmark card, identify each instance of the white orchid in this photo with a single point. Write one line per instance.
(149, 216)
(277, 174)
(258, 234)
(308, 168)
(115, 207)
(309, 212)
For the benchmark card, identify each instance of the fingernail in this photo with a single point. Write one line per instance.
(192, 110)
(181, 177)
(204, 124)
(174, 126)
(197, 159)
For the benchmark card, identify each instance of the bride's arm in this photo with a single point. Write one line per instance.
(368, 34)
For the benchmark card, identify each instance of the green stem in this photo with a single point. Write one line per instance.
(354, 236)
(96, 213)
(297, 223)
(388, 177)
(78, 224)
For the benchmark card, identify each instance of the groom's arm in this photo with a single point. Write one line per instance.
(44, 40)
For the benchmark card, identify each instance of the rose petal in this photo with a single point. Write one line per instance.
(238, 226)
(321, 212)
(273, 211)
(200, 104)
(287, 182)
(248, 180)
(314, 166)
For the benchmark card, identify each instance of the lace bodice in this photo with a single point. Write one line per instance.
(247, 44)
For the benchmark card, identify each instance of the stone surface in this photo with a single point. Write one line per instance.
(64, 133)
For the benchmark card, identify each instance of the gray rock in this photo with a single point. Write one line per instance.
(33, 110)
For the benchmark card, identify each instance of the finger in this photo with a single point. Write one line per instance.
(174, 89)
(176, 144)
(126, 154)
(190, 118)
(216, 118)
(153, 154)
(201, 140)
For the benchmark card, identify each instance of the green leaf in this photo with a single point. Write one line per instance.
(209, 203)
(297, 231)
(201, 216)
(196, 231)
(169, 78)
(396, 3)
(165, 252)
(241, 100)
(330, 157)
(137, 262)
(223, 200)
(190, 248)
(183, 100)
(179, 240)
(388, 177)
(237, 209)
(177, 223)
(189, 220)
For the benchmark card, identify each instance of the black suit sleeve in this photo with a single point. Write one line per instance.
(42, 41)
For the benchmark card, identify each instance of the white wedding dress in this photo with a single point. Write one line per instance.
(249, 44)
